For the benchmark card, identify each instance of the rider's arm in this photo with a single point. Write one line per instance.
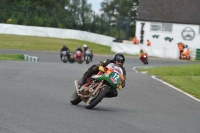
(61, 50)
(140, 54)
(105, 62)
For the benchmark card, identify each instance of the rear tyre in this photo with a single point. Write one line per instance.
(87, 60)
(64, 59)
(94, 100)
(75, 99)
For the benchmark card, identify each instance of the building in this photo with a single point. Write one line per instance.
(167, 22)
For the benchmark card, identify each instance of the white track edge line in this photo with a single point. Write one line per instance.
(176, 88)
(134, 68)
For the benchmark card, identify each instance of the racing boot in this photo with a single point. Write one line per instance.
(82, 81)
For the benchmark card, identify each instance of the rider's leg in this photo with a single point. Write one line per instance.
(92, 70)
(84, 56)
(91, 56)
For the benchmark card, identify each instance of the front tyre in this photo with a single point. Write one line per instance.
(145, 61)
(94, 100)
(75, 99)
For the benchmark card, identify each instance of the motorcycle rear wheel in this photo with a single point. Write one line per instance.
(93, 101)
(64, 59)
(75, 99)
(87, 60)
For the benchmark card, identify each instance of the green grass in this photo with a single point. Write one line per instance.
(187, 78)
(48, 44)
(11, 57)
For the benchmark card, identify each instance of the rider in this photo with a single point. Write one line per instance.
(79, 49)
(118, 59)
(84, 49)
(79, 54)
(141, 52)
(89, 51)
(64, 48)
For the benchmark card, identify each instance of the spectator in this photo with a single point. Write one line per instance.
(135, 40)
(181, 48)
(148, 43)
(186, 54)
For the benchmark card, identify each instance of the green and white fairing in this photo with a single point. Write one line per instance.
(112, 75)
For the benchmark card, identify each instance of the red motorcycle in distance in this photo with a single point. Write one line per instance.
(79, 56)
(144, 58)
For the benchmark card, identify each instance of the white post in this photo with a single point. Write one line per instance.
(35, 59)
(29, 58)
(25, 57)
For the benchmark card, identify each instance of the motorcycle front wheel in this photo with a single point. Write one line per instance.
(94, 100)
(75, 99)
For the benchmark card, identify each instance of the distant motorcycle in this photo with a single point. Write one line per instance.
(145, 58)
(79, 56)
(71, 57)
(68, 56)
(87, 56)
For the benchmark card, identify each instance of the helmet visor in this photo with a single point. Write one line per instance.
(119, 59)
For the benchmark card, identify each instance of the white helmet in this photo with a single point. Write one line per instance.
(84, 45)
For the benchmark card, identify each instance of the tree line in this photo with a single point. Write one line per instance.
(116, 18)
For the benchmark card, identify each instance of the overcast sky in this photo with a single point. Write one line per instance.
(95, 4)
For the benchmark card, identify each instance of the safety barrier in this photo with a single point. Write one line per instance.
(195, 54)
(30, 58)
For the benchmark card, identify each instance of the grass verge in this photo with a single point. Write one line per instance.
(48, 44)
(11, 57)
(187, 78)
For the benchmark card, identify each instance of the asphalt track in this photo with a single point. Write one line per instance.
(34, 98)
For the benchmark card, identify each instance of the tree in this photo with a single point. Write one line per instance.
(119, 11)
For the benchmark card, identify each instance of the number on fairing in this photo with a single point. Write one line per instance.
(116, 76)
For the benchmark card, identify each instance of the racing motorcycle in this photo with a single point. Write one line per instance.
(71, 57)
(87, 56)
(79, 56)
(145, 58)
(68, 56)
(97, 86)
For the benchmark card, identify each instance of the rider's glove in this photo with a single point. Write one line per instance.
(120, 87)
(101, 68)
